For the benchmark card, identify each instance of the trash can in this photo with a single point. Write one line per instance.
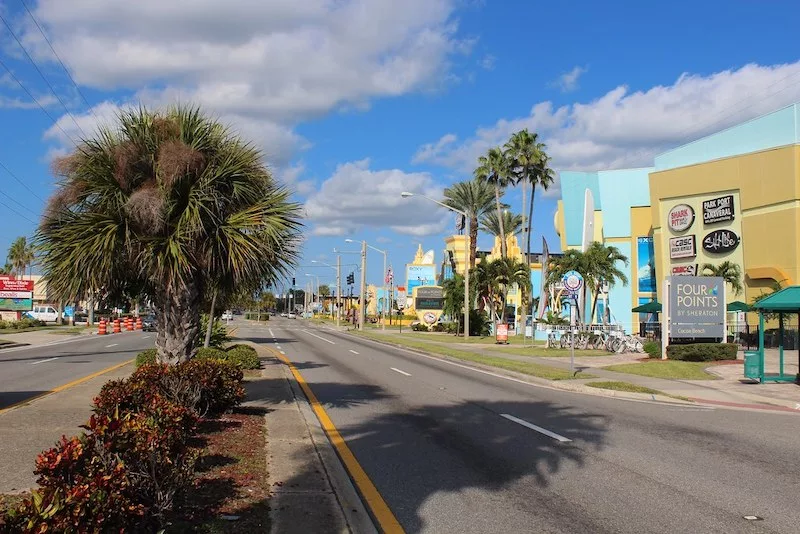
(752, 364)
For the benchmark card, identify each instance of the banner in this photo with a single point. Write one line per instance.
(645, 265)
(419, 275)
(544, 296)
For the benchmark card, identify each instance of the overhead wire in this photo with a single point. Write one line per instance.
(46, 81)
(15, 211)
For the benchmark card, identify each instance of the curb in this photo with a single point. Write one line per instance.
(13, 345)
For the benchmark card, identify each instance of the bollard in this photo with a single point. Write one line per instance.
(117, 328)
(101, 328)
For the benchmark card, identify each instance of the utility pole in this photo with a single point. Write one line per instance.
(361, 298)
(338, 291)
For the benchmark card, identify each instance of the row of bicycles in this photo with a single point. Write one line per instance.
(613, 341)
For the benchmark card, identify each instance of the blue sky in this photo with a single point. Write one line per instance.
(356, 100)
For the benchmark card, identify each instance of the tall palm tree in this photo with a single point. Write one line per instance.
(494, 169)
(483, 281)
(510, 272)
(173, 200)
(730, 272)
(8, 268)
(21, 255)
(474, 198)
(530, 165)
(511, 223)
(453, 306)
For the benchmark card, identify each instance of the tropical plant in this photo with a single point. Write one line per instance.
(324, 290)
(21, 255)
(453, 306)
(494, 169)
(475, 198)
(553, 319)
(511, 223)
(730, 272)
(529, 165)
(487, 289)
(510, 272)
(171, 200)
(8, 268)
(773, 288)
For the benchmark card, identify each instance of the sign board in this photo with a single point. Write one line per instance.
(7, 304)
(721, 241)
(7, 284)
(573, 282)
(685, 270)
(429, 298)
(502, 333)
(697, 307)
(680, 218)
(429, 318)
(16, 294)
(718, 210)
(682, 247)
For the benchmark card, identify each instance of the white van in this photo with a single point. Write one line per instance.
(43, 312)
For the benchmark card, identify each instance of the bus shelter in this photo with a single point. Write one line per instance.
(781, 303)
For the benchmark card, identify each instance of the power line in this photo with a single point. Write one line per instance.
(23, 184)
(13, 76)
(15, 211)
(63, 65)
(17, 202)
(35, 66)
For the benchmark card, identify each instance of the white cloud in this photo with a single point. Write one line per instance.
(383, 239)
(26, 103)
(625, 128)
(355, 197)
(487, 62)
(568, 81)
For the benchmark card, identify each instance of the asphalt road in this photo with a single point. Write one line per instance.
(451, 449)
(29, 371)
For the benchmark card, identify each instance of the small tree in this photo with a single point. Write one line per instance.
(730, 273)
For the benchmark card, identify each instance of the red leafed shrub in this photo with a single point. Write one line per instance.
(220, 384)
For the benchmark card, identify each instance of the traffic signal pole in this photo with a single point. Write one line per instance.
(362, 312)
(338, 291)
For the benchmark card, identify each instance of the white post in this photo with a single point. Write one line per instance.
(362, 297)
(466, 278)
(338, 290)
(665, 316)
(385, 297)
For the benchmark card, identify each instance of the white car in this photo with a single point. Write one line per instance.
(43, 313)
(292, 316)
(227, 316)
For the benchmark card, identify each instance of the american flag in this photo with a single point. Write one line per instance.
(389, 276)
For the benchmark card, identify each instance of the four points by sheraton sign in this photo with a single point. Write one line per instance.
(696, 307)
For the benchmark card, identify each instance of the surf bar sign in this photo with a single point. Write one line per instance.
(718, 210)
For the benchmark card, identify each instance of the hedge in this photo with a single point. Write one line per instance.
(703, 352)
(653, 349)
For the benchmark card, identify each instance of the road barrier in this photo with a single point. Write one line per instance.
(101, 328)
(117, 328)
(138, 323)
(129, 324)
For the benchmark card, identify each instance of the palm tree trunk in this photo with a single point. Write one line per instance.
(503, 251)
(210, 326)
(530, 224)
(179, 322)
(594, 301)
(473, 240)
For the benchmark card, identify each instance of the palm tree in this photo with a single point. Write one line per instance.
(475, 198)
(730, 272)
(494, 169)
(483, 281)
(511, 223)
(454, 299)
(510, 272)
(530, 165)
(175, 201)
(8, 268)
(21, 255)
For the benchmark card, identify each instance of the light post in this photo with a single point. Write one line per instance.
(385, 296)
(315, 296)
(406, 194)
(338, 269)
(362, 312)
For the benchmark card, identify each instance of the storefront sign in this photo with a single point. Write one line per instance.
(429, 317)
(429, 298)
(685, 270)
(7, 284)
(718, 210)
(502, 333)
(682, 247)
(680, 218)
(16, 295)
(697, 307)
(721, 241)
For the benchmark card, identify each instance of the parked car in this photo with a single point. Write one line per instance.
(284, 314)
(292, 316)
(44, 312)
(227, 315)
(149, 323)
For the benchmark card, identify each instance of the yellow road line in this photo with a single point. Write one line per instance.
(66, 386)
(386, 519)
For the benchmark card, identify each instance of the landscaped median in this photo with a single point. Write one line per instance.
(669, 369)
(527, 368)
(627, 387)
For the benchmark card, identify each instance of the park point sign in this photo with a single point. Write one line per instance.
(696, 307)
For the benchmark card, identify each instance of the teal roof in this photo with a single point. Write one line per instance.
(787, 299)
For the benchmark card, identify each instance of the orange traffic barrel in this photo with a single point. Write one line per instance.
(101, 328)
(129, 324)
(117, 328)
(138, 323)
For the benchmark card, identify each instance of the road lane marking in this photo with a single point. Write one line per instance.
(112, 345)
(539, 429)
(66, 386)
(399, 371)
(44, 361)
(354, 352)
(272, 333)
(319, 337)
(146, 337)
(380, 510)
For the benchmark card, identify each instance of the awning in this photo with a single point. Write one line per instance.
(651, 307)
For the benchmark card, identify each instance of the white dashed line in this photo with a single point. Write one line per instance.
(354, 352)
(43, 361)
(146, 337)
(319, 337)
(272, 333)
(399, 371)
(539, 429)
(112, 345)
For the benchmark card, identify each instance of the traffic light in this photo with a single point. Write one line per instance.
(293, 283)
(351, 279)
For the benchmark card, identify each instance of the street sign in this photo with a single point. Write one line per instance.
(573, 282)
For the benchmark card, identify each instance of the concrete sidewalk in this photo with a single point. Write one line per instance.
(729, 389)
(44, 337)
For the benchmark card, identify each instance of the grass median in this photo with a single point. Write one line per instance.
(618, 385)
(528, 368)
(542, 352)
(669, 369)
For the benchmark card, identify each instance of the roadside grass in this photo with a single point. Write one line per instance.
(542, 352)
(618, 385)
(532, 369)
(486, 340)
(675, 370)
(28, 329)
(70, 330)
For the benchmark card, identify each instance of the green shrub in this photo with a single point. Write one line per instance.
(702, 352)
(219, 334)
(210, 353)
(146, 356)
(478, 324)
(420, 327)
(452, 328)
(255, 316)
(243, 356)
(653, 349)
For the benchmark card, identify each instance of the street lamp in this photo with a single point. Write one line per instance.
(338, 286)
(385, 295)
(406, 194)
(361, 297)
(315, 300)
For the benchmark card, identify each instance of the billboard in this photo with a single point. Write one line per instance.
(697, 307)
(419, 275)
(645, 265)
(16, 304)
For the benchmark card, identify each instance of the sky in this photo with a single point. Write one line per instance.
(354, 101)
